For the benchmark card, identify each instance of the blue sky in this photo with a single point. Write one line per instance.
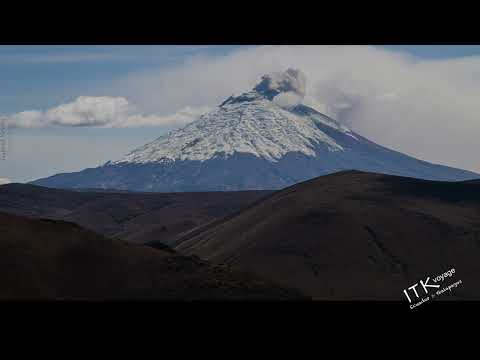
(42, 77)
(437, 51)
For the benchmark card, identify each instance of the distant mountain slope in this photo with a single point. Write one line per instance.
(135, 217)
(353, 235)
(257, 140)
(47, 259)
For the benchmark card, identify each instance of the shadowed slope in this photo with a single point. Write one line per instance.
(134, 217)
(353, 235)
(48, 259)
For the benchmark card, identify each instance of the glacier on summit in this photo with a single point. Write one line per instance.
(265, 138)
(255, 126)
(252, 123)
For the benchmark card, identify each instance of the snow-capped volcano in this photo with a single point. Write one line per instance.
(265, 138)
(249, 124)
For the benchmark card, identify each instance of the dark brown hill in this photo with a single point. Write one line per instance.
(49, 259)
(353, 235)
(130, 216)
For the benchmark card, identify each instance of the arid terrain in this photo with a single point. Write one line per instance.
(353, 236)
(130, 216)
(346, 236)
(50, 259)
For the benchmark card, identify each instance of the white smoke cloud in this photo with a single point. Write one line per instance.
(285, 88)
(289, 81)
(100, 112)
(4, 181)
(287, 99)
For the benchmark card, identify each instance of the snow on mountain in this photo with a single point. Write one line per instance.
(249, 123)
(266, 138)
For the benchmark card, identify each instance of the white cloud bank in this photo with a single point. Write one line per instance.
(4, 181)
(100, 112)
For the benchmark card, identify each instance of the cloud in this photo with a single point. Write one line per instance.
(100, 112)
(4, 181)
(427, 108)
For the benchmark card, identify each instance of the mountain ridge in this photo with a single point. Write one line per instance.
(131, 216)
(50, 259)
(263, 139)
(352, 235)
